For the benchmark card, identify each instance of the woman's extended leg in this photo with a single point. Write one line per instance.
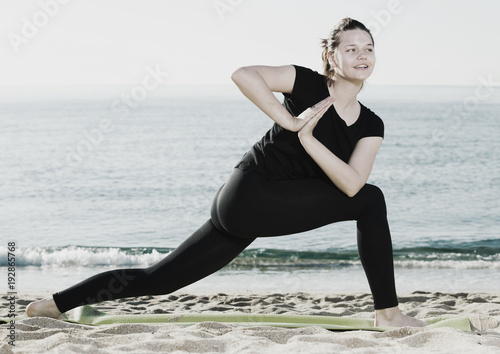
(205, 252)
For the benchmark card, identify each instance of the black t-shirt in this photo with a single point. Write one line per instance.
(280, 155)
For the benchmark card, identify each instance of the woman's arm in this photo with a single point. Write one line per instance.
(258, 83)
(348, 177)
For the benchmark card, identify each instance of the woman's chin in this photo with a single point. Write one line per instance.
(358, 80)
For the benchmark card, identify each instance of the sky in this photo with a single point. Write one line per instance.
(201, 42)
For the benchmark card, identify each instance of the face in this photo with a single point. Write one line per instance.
(354, 58)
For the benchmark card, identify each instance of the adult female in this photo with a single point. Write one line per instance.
(291, 181)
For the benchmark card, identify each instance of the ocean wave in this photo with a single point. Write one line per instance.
(475, 255)
(71, 256)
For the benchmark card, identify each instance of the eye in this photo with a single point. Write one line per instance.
(350, 50)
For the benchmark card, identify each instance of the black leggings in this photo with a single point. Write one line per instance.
(246, 207)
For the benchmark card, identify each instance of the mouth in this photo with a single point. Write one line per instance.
(361, 67)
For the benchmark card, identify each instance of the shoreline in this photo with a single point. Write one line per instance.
(483, 309)
(351, 279)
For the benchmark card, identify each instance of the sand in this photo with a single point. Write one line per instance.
(44, 335)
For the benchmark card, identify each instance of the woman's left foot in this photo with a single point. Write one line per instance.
(44, 308)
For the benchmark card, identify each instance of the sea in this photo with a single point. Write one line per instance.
(99, 178)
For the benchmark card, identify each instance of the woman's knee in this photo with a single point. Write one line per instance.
(373, 192)
(373, 195)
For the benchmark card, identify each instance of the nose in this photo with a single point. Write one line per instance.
(362, 55)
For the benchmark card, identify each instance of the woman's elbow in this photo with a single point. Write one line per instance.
(239, 73)
(351, 191)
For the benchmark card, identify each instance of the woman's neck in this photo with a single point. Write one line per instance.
(345, 92)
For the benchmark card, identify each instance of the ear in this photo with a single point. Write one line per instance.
(331, 60)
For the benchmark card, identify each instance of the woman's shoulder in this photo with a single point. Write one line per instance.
(308, 72)
(368, 112)
(308, 85)
(373, 124)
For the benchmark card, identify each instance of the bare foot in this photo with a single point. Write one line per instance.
(44, 308)
(393, 317)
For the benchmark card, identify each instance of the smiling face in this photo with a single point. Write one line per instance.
(354, 58)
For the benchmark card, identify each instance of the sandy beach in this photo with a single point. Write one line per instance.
(44, 335)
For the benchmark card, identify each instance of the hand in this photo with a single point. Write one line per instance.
(312, 115)
(319, 108)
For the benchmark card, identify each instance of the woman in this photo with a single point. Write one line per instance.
(308, 171)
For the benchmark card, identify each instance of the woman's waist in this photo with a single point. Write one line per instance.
(275, 166)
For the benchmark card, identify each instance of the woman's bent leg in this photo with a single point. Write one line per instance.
(273, 208)
(203, 253)
(375, 248)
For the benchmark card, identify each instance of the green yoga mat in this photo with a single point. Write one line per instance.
(90, 316)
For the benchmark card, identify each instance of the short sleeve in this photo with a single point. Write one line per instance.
(307, 87)
(374, 126)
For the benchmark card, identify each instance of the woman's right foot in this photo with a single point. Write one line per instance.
(44, 308)
(393, 317)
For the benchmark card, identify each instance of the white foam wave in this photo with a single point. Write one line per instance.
(447, 264)
(80, 256)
